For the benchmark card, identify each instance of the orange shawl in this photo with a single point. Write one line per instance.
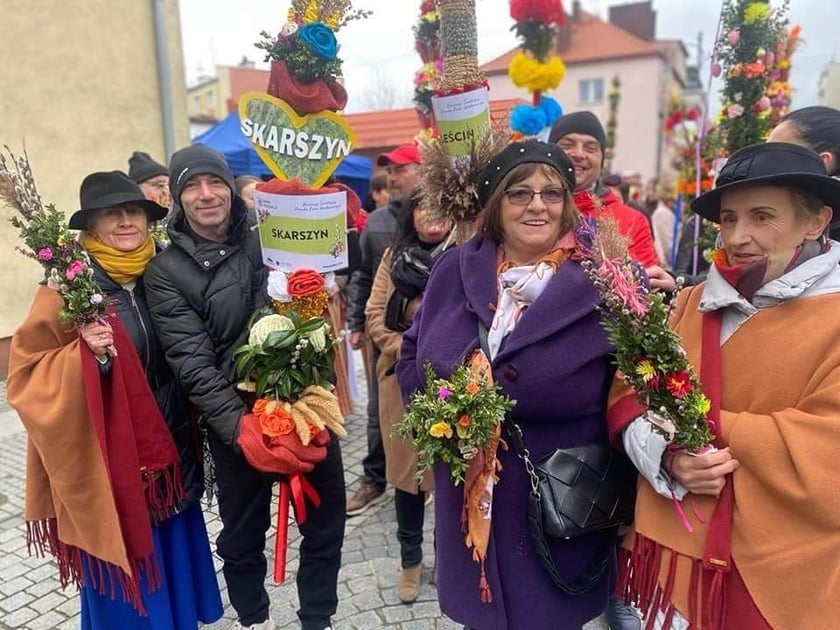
(779, 415)
(100, 460)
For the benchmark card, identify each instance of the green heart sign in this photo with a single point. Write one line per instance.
(308, 148)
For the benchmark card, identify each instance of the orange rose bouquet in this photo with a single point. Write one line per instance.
(288, 360)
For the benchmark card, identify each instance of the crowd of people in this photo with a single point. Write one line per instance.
(113, 488)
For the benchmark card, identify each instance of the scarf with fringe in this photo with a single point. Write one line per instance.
(101, 465)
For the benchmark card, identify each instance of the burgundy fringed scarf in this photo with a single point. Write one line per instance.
(143, 471)
(714, 585)
(640, 568)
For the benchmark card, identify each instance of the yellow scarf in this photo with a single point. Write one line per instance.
(123, 267)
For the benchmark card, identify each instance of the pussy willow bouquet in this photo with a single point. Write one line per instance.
(648, 353)
(289, 359)
(49, 241)
(452, 419)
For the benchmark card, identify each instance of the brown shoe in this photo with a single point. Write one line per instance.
(408, 587)
(367, 495)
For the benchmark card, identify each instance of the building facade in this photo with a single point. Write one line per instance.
(829, 94)
(213, 98)
(81, 88)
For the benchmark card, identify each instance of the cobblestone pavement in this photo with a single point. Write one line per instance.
(31, 598)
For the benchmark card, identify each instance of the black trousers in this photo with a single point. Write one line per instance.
(373, 464)
(245, 496)
(410, 512)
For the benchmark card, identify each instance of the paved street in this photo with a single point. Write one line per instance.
(31, 598)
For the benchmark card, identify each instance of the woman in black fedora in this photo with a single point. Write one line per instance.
(140, 564)
(763, 506)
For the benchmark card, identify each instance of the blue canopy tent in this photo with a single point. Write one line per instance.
(225, 136)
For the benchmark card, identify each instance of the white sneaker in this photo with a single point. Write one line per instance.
(268, 624)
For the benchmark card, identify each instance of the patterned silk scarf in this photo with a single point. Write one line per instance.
(520, 286)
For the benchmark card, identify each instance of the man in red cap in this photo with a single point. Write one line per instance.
(401, 166)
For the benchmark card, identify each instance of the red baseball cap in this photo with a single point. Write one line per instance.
(403, 154)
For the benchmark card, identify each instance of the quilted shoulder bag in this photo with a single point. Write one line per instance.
(573, 492)
(576, 491)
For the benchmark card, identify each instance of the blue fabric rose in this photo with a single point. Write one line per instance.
(320, 39)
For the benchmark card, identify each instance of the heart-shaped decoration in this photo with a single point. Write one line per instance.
(308, 148)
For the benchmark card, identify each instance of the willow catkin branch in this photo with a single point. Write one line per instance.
(17, 184)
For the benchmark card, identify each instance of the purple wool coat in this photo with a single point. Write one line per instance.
(556, 365)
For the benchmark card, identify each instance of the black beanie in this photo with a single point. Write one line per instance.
(197, 160)
(518, 153)
(579, 122)
(142, 167)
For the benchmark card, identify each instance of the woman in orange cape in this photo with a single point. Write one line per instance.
(755, 551)
(113, 476)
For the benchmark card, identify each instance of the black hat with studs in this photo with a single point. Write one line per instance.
(525, 152)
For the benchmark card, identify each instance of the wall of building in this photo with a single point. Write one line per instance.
(638, 137)
(80, 87)
(830, 85)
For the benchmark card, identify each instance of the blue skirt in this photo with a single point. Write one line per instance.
(189, 592)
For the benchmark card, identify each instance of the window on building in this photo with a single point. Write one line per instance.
(590, 91)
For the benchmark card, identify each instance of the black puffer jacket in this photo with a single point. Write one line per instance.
(202, 294)
(133, 311)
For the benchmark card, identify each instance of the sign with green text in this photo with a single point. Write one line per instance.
(308, 148)
(462, 119)
(303, 231)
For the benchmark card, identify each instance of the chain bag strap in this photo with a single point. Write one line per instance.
(574, 492)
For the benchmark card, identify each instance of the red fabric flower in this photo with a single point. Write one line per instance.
(304, 282)
(678, 384)
(547, 11)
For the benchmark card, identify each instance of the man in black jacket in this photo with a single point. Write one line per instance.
(401, 165)
(202, 290)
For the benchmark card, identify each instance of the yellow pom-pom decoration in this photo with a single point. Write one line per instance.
(535, 76)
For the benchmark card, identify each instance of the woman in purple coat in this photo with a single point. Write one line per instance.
(521, 278)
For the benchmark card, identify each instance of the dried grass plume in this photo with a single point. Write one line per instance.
(450, 186)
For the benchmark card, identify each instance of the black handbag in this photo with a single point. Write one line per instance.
(575, 491)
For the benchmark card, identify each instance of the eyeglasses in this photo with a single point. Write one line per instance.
(524, 196)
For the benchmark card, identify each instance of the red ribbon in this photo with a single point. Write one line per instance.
(295, 488)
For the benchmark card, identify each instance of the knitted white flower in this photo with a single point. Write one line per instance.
(268, 324)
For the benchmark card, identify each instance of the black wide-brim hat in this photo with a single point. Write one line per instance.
(776, 163)
(107, 190)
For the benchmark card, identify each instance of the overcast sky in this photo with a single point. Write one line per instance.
(214, 32)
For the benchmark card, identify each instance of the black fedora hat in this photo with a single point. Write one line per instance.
(778, 163)
(109, 189)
